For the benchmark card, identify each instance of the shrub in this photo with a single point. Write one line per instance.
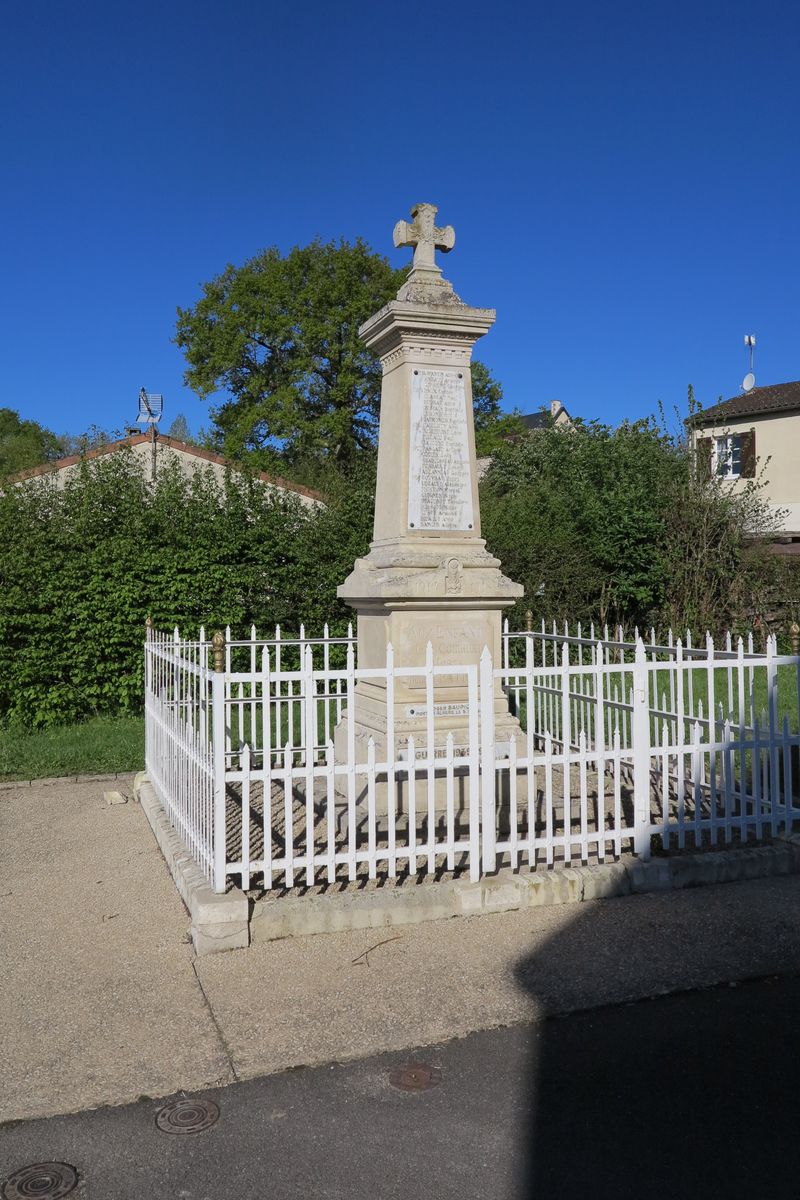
(82, 567)
(614, 525)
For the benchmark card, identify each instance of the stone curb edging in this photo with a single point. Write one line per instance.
(7, 785)
(226, 922)
(219, 921)
(290, 916)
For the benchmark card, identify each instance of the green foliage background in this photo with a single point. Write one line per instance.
(24, 443)
(81, 569)
(273, 344)
(615, 525)
(596, 523)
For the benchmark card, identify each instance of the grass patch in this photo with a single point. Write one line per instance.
(99, 746)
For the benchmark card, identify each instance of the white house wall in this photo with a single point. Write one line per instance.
(777, 455)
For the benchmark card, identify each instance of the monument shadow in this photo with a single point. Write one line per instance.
(691, 1093)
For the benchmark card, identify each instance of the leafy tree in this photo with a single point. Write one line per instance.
(90, 439)
(279, 335)
(493, 427)
(613, 524)
(24, 443)
(179, 429)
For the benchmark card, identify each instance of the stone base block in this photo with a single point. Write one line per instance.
(457, 780)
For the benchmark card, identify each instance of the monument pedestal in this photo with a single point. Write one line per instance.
(427, 579)
(413, 598)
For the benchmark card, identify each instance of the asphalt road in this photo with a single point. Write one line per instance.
(694, 1094)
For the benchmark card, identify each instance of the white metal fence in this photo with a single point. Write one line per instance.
(618, 743)
(179, 743)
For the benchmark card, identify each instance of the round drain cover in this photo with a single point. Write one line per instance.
(415, 1077)
(187, 1116)
(44, 1181)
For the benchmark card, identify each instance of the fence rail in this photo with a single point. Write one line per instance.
(611, 746)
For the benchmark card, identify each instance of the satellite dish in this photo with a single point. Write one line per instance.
(151, 406)
(749, 382)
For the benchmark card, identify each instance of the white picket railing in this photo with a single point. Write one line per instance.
(641, 711)
(179, 747)
(619, 742)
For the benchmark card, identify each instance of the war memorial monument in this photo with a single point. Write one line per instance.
(428, 578)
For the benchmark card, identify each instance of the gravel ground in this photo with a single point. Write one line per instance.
(104, 1000)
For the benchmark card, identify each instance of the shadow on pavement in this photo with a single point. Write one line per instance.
(687, 1095)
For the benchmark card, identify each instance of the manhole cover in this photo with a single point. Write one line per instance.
(187, 1116)
(415, 1077)
(45, 1181)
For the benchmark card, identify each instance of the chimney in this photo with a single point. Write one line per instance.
(555, 408)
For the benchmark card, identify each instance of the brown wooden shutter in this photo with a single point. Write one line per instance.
(703, 457)
(749, 454)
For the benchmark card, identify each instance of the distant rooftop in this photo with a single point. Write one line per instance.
(546, 414)
(778, 397)
(163, 442)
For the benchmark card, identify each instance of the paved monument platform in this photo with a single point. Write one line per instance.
(105, 1000)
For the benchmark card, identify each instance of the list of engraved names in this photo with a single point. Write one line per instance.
(439, 477)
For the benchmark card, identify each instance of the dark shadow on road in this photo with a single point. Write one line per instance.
(690, 1094)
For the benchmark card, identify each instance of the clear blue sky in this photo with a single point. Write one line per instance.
(623, 180)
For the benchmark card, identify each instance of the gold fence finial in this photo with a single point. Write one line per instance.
(794, 631)
(218, 646)
(149, 625)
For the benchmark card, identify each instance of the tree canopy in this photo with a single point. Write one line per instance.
(24, 443)
(179, 429)
(613, 524)
(596, 523)
(279, 337)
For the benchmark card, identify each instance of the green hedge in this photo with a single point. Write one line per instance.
(596, 523)
(82, 567)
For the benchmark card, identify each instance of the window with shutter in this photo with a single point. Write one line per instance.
(727, 454)
(748, 455)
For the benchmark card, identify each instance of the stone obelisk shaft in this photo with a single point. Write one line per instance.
(427, 577)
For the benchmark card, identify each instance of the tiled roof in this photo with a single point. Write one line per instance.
(779, 397)
(545, 415)
(182, 447)
(537, 420)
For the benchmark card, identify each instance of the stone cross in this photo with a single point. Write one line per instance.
(424, 236)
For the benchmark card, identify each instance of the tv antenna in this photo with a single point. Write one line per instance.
(151, 408)
(749, 381)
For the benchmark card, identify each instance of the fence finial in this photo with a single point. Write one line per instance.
(148, 625)
(529, 620)
(794, 632)
(218, 647)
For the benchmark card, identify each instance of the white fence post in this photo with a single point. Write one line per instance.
(641, 751)
(218, 754)
(774, 735)
(488, 818)
(148, 691)
(566, 747)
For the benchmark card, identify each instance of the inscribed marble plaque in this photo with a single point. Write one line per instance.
(439, 474)
(439, 710)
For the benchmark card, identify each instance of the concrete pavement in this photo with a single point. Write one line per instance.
(104, 1000)
(692, 1095)
(100, 1002)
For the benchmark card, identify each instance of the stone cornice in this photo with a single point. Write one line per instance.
(398, 321)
